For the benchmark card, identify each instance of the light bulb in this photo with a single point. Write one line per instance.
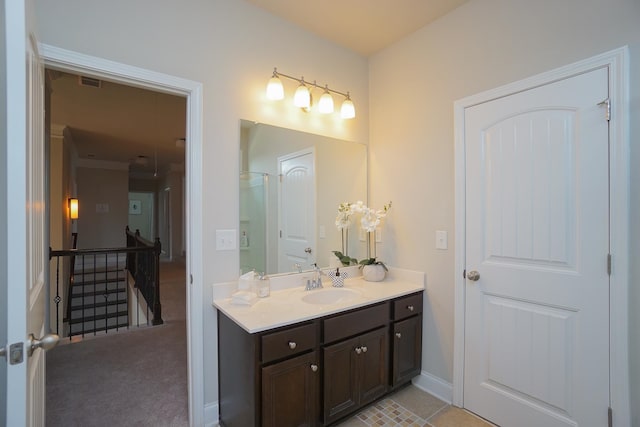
(325, 105)
(347, 110)
(302, 97)
(275, 91)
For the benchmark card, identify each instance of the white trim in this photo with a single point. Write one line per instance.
(66, 60)
(435, 386)
(211, 414)
(618, 62)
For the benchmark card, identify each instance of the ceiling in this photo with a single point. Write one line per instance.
(363, 26)
(121, 123)
(146, 130)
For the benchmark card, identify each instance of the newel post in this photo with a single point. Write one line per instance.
(157, 308)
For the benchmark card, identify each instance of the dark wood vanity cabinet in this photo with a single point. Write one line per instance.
(406, 339)
(270, 378)
(290, 392)
(355, 373)
(317, 372)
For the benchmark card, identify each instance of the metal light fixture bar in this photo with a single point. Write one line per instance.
(301, 80)
(302, 98)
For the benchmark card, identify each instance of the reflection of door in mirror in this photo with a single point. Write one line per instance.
(297, 222)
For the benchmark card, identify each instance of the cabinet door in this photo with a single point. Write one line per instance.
(290, 392)
(340, 389)
(373, 366)
(407, 350)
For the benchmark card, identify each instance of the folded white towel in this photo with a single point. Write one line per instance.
(244, 298)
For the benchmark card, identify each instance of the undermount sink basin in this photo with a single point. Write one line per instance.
(330, 296)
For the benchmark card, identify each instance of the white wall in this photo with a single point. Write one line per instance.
(231, 47)
(413, 84)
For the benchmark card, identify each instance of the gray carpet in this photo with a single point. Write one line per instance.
(132, 378)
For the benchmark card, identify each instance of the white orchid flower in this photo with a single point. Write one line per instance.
(369, 220)
(358, 207)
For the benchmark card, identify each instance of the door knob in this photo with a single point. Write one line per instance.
(473, 276)
(314, 367)
(47, 342)
(307, 250)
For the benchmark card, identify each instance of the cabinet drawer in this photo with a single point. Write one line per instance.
(289, 342)
(407, 306)
(349, 324)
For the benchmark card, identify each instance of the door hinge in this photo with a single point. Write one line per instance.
(610, 416)
(281, 234)
(464, 273)
(191, 279)
(609, 264)
(606, 103)
(3, 352)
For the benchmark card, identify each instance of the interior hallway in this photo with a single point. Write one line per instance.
(130, 378)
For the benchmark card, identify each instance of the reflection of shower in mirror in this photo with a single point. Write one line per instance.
(254, 187)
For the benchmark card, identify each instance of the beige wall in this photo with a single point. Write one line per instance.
(231, 47)
(102, 187)
(479, 46)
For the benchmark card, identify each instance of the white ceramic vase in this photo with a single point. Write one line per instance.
(373, 273)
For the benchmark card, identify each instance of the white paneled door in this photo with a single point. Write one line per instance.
(297, 218)
(537, 245)
(27, 233)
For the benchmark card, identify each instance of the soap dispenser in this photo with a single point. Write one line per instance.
(337, 277)
(263, 287)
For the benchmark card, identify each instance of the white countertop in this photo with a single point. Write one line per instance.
(285, 305)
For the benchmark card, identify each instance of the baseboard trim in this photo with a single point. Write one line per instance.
(436, 386)
(211, 416)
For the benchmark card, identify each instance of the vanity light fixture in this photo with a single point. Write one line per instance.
(275, 91)
(303, 99)
(325, 106)
(347, 110)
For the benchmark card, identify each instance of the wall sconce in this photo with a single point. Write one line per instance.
(73, 208)
(303, 99)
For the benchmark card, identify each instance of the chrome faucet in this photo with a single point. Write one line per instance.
(316, 282)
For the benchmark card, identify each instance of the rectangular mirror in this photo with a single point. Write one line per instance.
(291, 184)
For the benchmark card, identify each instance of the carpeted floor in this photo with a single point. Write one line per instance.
(132, 378)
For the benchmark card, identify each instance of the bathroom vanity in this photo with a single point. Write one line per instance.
(286, 362)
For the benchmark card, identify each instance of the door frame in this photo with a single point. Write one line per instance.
(70, 61)
(617, 61)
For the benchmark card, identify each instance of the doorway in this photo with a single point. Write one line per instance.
(510, 293)
(64, 60)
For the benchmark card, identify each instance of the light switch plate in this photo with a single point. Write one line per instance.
(226, 240)
(441, 239)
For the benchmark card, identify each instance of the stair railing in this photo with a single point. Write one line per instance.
(144, 268)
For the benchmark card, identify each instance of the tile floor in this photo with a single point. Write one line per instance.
(412, 407)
